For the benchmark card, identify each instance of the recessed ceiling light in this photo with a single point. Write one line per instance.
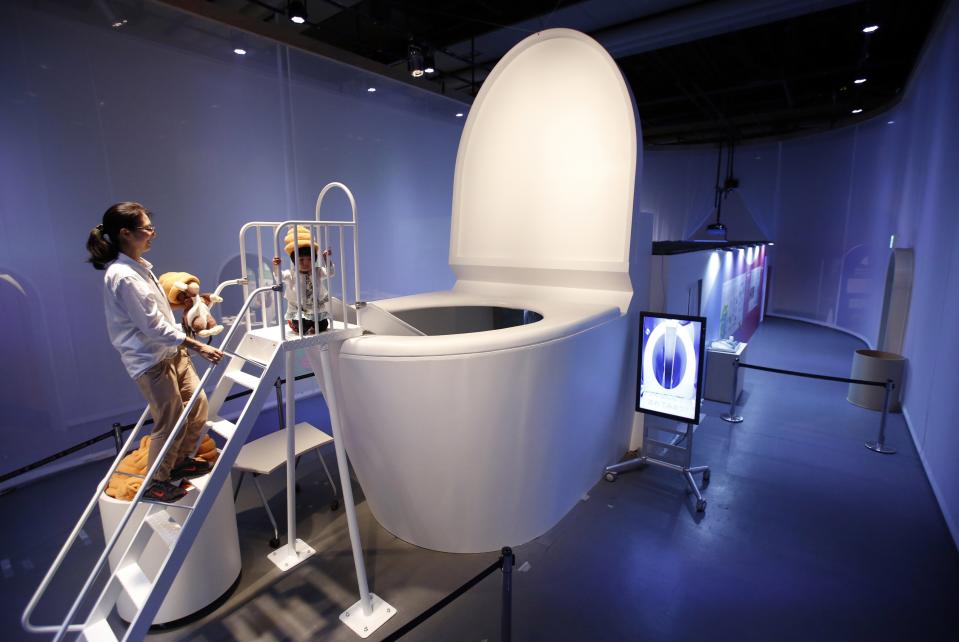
(857, 111)
(240, 51)
(890, 122)
(870, 29)
(116, 24)
(859, 81)
(371, 89)
(296, 9)
(459, 114)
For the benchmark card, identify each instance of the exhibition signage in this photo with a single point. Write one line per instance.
(671, 355)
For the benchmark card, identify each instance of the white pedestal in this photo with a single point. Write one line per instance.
(719, 373)
(210, 568)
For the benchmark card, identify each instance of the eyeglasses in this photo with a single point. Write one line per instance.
(149, 228)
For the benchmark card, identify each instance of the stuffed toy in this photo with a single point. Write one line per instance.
(183, 290)
(125, 486)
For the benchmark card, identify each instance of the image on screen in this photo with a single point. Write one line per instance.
(670, 365)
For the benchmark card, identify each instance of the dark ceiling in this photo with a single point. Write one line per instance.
(725, 80)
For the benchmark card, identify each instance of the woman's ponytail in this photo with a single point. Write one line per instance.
(103, 244)
(102, 248)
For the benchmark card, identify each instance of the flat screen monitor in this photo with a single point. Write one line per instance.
(671, 355)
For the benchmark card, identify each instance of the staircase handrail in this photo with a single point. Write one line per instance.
(356, 240)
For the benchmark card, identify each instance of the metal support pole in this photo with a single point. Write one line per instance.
(343, 465)
(506, 614)
(296, 550)
(290, 455)
(879, 445)
(731, 416)
(118, 437)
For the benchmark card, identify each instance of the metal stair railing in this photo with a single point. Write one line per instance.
(66, 626)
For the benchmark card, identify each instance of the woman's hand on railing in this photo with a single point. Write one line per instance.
(206, 351)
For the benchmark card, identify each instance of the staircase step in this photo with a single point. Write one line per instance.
(242, 378)
(246, 359)
(223, 427)
(98, 631)
(257, 346)
(165, 526)
(135, 583)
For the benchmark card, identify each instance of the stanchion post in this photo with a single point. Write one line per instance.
(879, 445)
(731, 416)
(118, 437)
(506, 614)
(278, 387)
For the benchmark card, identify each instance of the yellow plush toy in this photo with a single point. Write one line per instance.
(183, 289)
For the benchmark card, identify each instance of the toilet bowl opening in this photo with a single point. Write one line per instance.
(465, 319)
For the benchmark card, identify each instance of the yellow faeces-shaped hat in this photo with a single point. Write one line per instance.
(167, 280)
(302, 239)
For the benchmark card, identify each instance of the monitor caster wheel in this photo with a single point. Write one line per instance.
(700, 505)
(705, 479)
(610, 477)
(274, 543)
(334, 504)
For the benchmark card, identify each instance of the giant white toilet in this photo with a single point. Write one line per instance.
(485, 430)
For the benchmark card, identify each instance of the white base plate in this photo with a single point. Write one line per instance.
(285, 559)
(364, 625)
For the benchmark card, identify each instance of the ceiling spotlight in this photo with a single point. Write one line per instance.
(857, 110)
(296, 10)
(429, 65)
(870, 29)
(372, 90)
(414, 61)
(116, 24)
(459, 114)
(890, 122)
(770, 243)
(859, 81)
(240, 51)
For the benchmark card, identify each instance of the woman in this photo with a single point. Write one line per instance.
(152, 346)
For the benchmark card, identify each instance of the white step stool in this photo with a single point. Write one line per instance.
(264, 455)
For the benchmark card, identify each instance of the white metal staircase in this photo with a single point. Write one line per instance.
(175, 524)
(258, 353)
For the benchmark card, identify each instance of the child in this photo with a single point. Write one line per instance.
(299, 296)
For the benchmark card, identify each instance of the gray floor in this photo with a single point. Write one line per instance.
(808, 536)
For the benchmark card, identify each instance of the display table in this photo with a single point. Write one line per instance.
(719, 373)
(210, 568)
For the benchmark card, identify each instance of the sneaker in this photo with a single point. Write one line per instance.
(164, 491)
(190, 469)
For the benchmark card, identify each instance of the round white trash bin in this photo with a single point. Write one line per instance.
(210, 568)
(876, 365)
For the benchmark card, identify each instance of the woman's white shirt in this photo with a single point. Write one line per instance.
(140, 321)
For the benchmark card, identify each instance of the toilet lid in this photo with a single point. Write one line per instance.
(546, 168)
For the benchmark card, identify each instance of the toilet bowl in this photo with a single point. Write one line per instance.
(486, 423)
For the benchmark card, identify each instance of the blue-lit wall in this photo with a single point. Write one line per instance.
(831, 202)
(164, 113)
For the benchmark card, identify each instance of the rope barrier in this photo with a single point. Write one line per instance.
(809, 375)
(505, 562)
(878, 446)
